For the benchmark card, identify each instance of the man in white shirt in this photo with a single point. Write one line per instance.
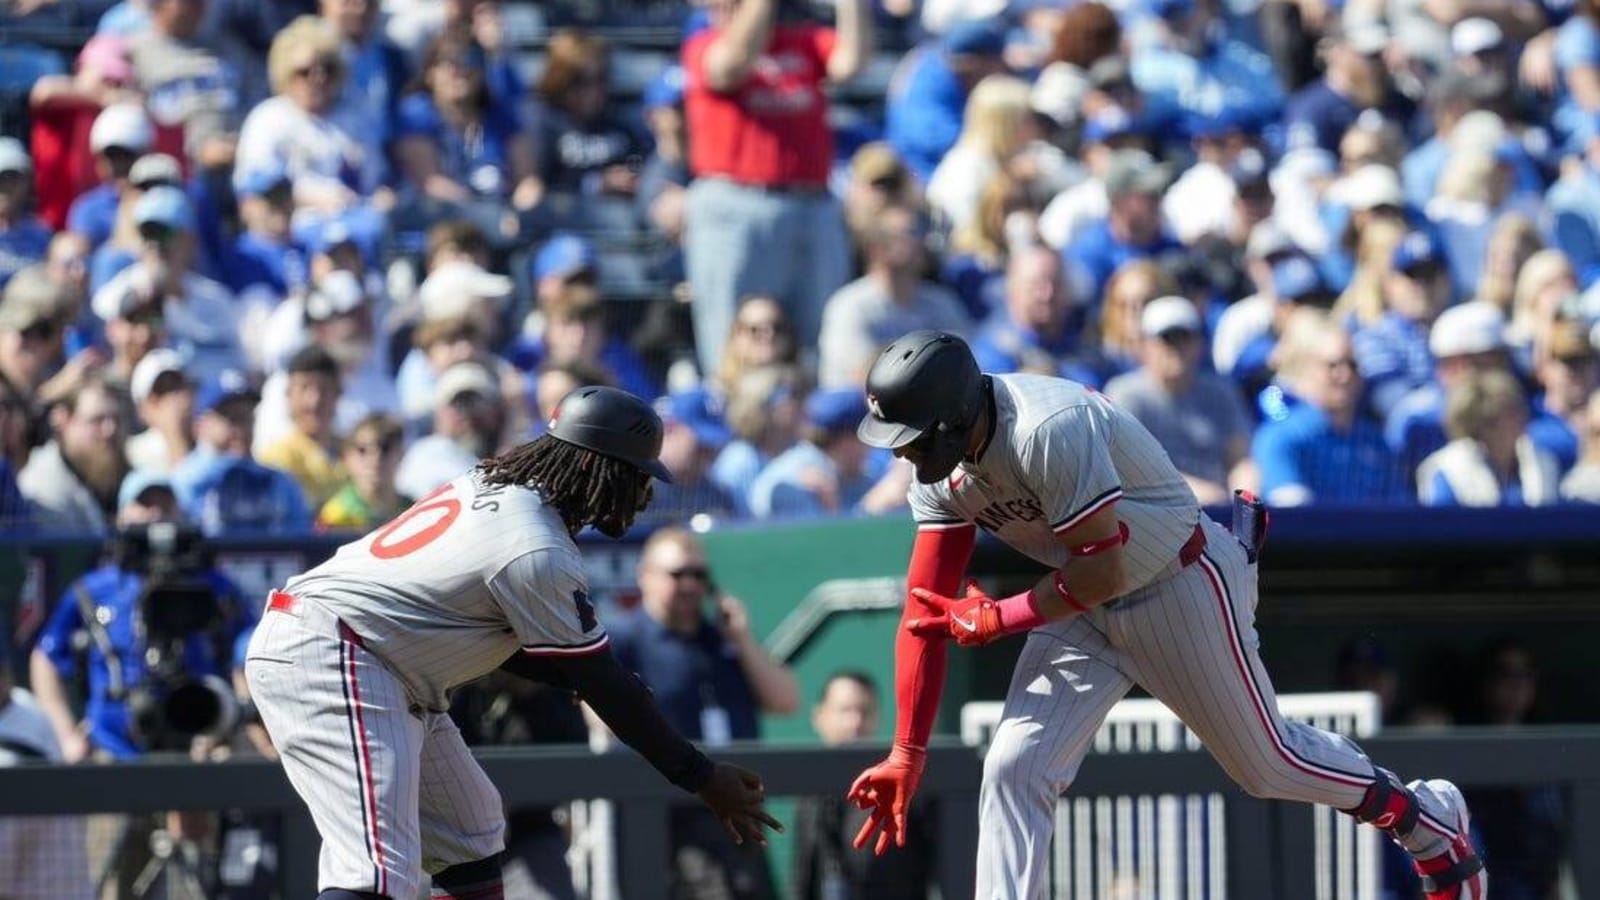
(468, 418)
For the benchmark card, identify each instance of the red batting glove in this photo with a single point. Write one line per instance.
(973, 620)
(886, 789)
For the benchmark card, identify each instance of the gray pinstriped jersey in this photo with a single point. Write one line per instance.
(1058, 453)
(452, 587)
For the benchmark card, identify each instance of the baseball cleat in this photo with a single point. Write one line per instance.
(1457, 873)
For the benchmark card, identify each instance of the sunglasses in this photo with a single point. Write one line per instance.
(170, 383)
(41, 331)
(157, 234)
(324, 67)
(699, 573)
(147, 315)
(1347, 362)
(763, 328)
(379, 448)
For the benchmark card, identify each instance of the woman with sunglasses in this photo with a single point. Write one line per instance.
(371, 456)
(585, 148)
(295, 130)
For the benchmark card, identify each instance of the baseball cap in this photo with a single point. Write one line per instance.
(123, 125)
(230, 384)
(1225, 121)
(838, 409)
(153, 169)
(1108, 125)
(1479, 128)
(164, 205)
(1415, 250)
(1268, 239)
(31, 297)
(1135, 172)
(107, 54)
(1475, 35)
(327, 236)
(975, 37)
(155, 364)
(261, 180)
(335, 294)
(1473, 327)
(14, 157)
(563, 256)
(1370, 187)
(1368, 37)
(1058, 93)
(666, 89)
(450, 291)
(1165, 315)
(465, 378)
(696, 410)
(137, 482)
(1297, 279)
(876, 162)
(1109, 72)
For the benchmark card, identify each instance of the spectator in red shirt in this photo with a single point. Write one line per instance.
(760, 219)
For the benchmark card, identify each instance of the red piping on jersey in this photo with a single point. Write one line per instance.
(1226, 608)
(366, 761)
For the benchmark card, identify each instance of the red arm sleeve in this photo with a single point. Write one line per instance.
(938, 561)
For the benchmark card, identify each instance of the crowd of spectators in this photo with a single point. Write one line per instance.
(1338, 254)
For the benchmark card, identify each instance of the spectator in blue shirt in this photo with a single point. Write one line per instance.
(1190, 66)
(266, 259)
(1577, 60)
(663, 182)
(1392, 352)
(1450, 98)
(1039, 328)
(830, 472)
(120, 135)
(1131, 230)
(693, 647)
(376, 71)
(929, 91)
(112, 663)
(583, 147)
(218, 485)
(692, 436)
(1573, 202)
(1321, 450)
(1490, 460)
(13, 419)
(1466, 338)
(1297, 284)
(24, 239)
(1355, 80)
(1567, 372)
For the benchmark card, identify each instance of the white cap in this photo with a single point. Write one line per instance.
(463, 377)
(450, 291)
(14, 157)
(1479, 129)
(155, 364)
(156, 167)
(1058, 93)
(121, 125)
(1473, 327)
(1368, 37)
(1475, 35)
(1166, 314)
(1371, 186)
(1267, 238)
(336, 293)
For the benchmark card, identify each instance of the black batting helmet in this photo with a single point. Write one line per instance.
(612, 423)
(924, 386)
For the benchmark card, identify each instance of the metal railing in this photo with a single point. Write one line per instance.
(1280, 835)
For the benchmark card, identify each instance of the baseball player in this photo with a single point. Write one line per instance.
(352, 665)
(1146, 589)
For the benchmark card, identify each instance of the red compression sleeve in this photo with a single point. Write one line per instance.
(938, 561)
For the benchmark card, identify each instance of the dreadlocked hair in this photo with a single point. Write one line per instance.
(584, 487)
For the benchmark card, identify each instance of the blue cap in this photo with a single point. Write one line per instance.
(1168, 8)
(328, 235)
(1296, 278)
(261, 179)
(138, 481)
(563, 255)
(839, 409)
(1509, 151)
(228, 385)
(1225, 121)
(1110, 124)
(1416, 249)
(665, 89)
(975, 37)
(697, 409)
(164, 205)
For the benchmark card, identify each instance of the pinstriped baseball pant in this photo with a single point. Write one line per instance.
(394, 793)
(1190, 641)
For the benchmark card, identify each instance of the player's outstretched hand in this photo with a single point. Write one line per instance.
(886, 790)
(972, 620)
(736, 795)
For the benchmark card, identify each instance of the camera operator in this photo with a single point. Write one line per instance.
(149, 638)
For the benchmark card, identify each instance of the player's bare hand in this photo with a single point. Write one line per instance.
(736, 796)
(735, 618)
(973, 620)
(885, 790)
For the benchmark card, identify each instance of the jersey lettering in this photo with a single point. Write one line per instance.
(448, 508)
(1003, 512)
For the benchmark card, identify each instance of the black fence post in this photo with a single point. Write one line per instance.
(297, 852)
(1251, 872)
(1296, 849)
(958, 843)
(1584, 837)
(645, 850)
